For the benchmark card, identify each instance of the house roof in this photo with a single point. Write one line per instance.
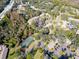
(3, 52)
(26, 42)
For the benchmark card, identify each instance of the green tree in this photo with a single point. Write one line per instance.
(39, 54)
(29, 56)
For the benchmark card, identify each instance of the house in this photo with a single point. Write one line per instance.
(77, 52)
(77, 32)
(70, 26)
(51, 45)
(21, 9)
(3, 52)
(67, 42)
(27, 42)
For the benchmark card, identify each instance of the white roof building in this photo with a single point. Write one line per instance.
(68, 42)
(77, 32)
(21, 8)
(77, 52)
(3, 52)
(51, 45)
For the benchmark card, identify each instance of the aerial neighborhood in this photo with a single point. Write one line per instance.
(39, 29)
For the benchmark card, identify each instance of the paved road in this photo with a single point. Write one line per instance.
(6, 9)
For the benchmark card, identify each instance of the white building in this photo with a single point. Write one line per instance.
(77, 32)
(3, 52)
(21, 9)
(68, 42)
(51, 45)
(77, 52)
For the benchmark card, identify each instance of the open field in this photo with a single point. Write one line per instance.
(74, 3)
